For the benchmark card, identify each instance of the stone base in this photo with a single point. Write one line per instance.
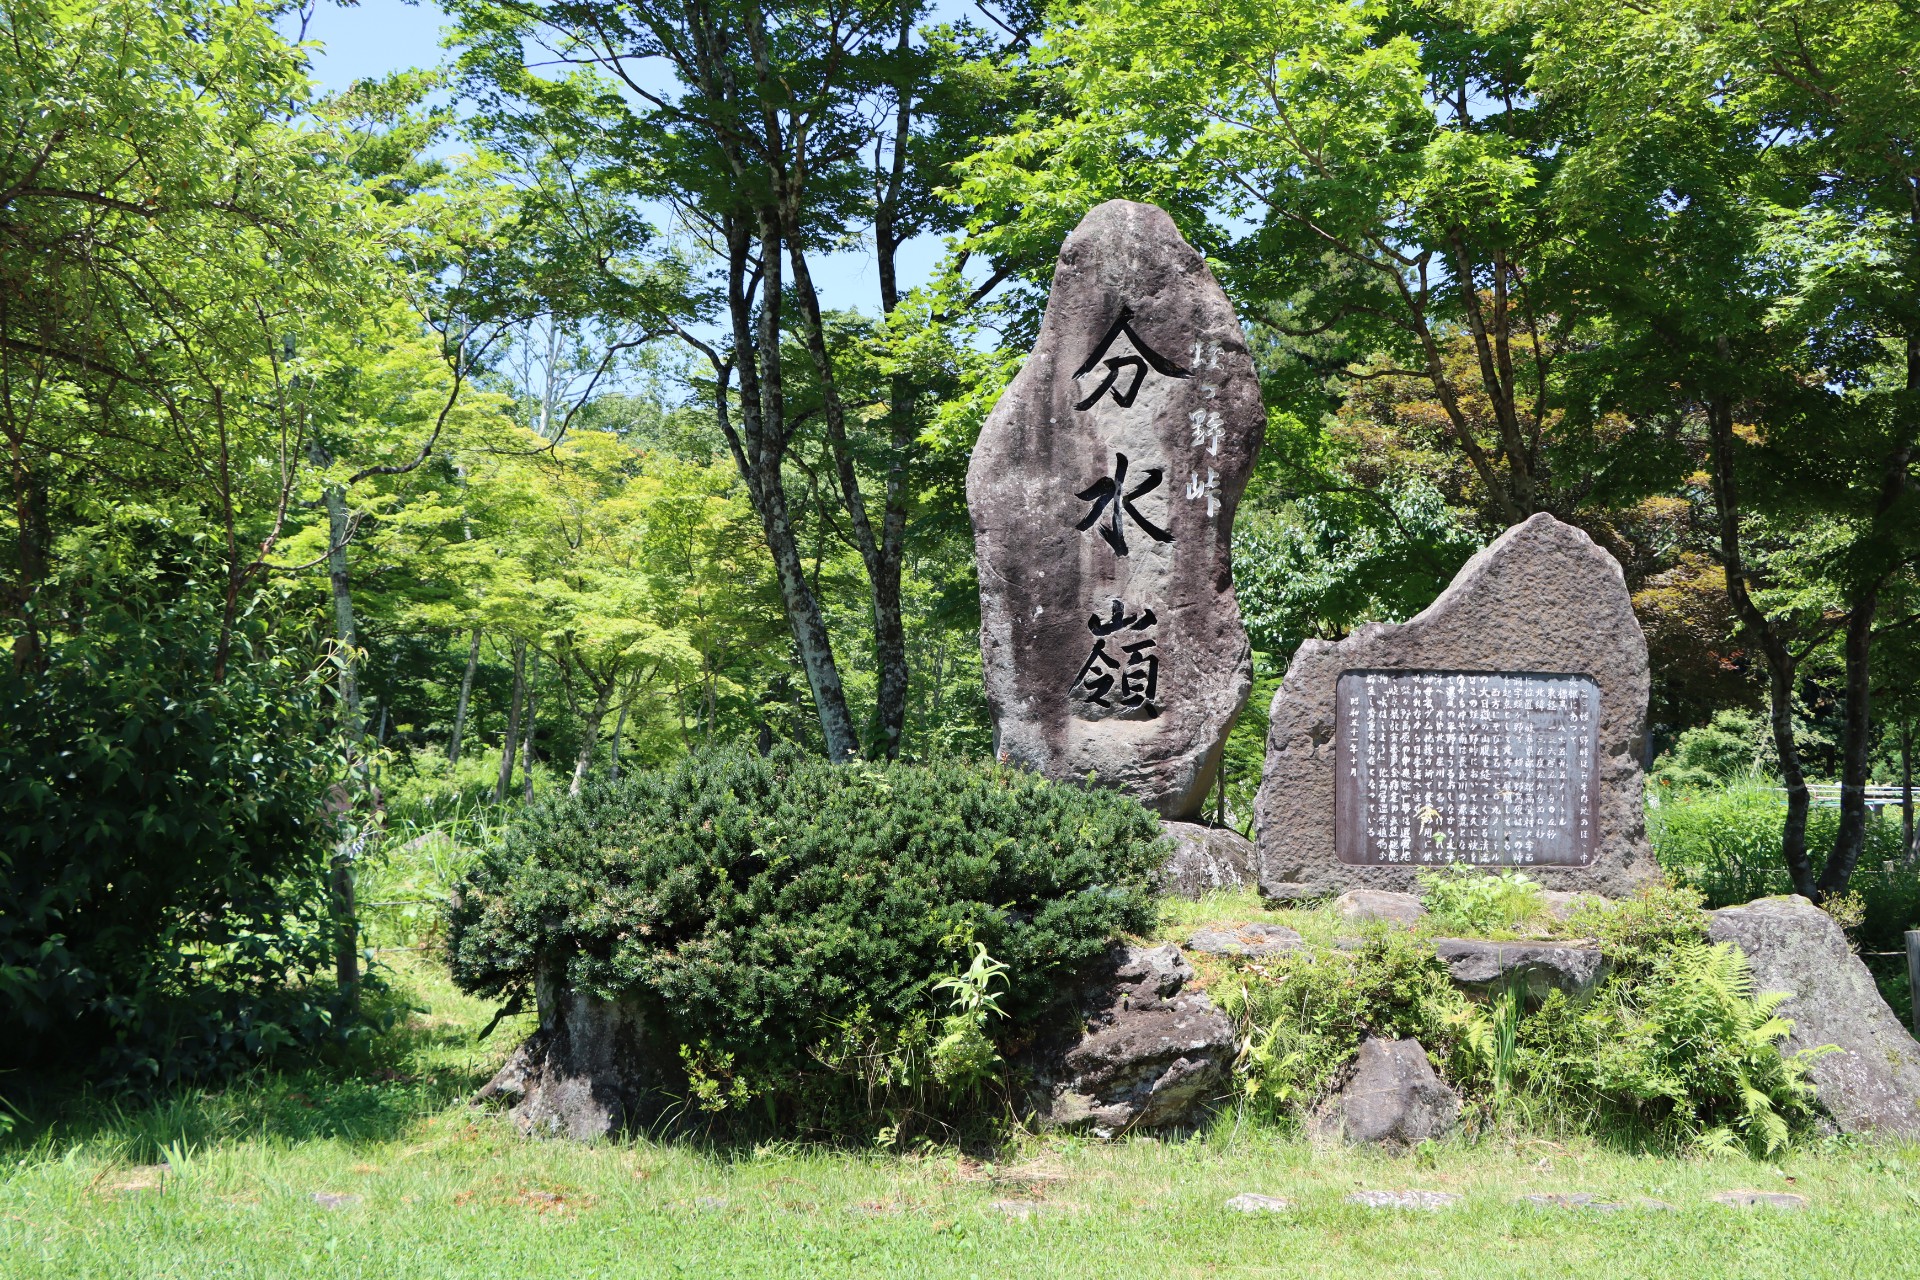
(585, 1074)
(1151, 1055)
(1206, 859)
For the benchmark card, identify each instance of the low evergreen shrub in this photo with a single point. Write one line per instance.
(787, 923)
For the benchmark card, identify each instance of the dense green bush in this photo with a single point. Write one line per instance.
(162, 843)
(784, 921)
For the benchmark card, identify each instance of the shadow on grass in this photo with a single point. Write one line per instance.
(395, 1069)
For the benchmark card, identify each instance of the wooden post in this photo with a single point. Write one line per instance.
(1913, 975)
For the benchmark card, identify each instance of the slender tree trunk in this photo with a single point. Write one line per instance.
(618, 727)
(526, 743)
(346, 922)
(512, 736)
(759, 447)
(466, 694)
(592, 739)
(1856, 744)
(345, 633)
(1779, 659)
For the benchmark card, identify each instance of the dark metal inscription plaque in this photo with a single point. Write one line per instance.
(1484, 768)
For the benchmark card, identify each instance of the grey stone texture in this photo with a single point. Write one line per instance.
(1392, 1099)
(1254, 1202)
(1256, 941)
(1205, 859)
(1542, 598)
(1535, 968)
(1761, 1199)
(1416, 1199)
(585, 1073)
(1150, 1053)
(1140, 357)
(1872, 1085)
(1359, 906)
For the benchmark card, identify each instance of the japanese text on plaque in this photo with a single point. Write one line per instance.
(1480, 768)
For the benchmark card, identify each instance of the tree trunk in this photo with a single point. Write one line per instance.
(1856, 743)
(466, 694)
(346, 922)
(1773, 649)
(592, 739)
(344, 632)
(526, 743)
(512, 735)
(618, 726)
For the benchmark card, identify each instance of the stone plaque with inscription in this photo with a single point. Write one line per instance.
(1102, 493)
(1502, 726)
(1484, 768)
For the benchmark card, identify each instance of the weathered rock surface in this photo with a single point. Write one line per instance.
(585, 1073)
(1416, 1199)
(1205, 859)
(1256, 941)
(1358, 906)
(1872, 1086)
(1392, 1099)
(1102, 493)
(1761, 1199)
(1534, 967)
(1541, 600)
(1152, 1052)
(1254, 1202)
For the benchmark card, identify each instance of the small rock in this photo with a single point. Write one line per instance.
(1020, 1209)
(1357, 906)
(1205, 859)
(711, 1204)
(1428, 1200)
(1392, 1099)
(1872, 1086)
(335, 1199)
(1258, 941)
(1537, 968)
(1254, 1202)
(1761, 1199)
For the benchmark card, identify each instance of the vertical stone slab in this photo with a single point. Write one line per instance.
(1500, 727)
(1102, 493)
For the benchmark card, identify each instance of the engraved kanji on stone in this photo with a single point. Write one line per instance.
(1111, 491)
(1127, 370)
(1137, 677)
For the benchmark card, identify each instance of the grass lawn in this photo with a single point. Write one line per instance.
(386, 1173)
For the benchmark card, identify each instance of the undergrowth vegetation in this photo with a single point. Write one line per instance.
(825, 946)
(1673, 1049)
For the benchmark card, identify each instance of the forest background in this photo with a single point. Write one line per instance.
(383, 458)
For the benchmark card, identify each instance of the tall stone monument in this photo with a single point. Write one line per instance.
(1102, 492)
(1499, 728)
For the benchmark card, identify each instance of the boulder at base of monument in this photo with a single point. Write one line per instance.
(1500, 727)
(1872, 1085)
(1392, 1099)
(1150, 1052)
(1206, 860)
(1102, 493)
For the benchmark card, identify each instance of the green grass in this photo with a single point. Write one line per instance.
(435, 1189)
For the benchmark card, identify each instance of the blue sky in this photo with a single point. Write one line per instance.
(379, 36)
